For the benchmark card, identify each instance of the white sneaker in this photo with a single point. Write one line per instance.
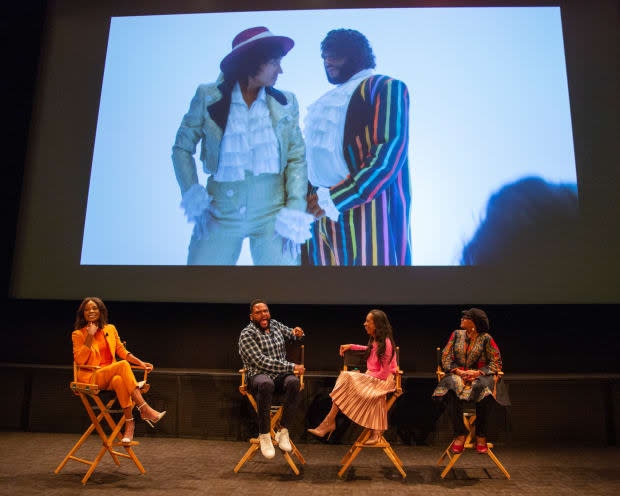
(266, 446)
(283, 440)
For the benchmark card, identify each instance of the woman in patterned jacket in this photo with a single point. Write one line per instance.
(471, 361)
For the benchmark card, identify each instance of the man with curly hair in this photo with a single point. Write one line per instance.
(357, 137)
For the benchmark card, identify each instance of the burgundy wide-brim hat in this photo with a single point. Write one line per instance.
(250, 38)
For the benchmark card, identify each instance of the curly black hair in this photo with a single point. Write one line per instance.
(351, 44)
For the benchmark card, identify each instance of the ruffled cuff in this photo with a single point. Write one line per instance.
(195, 202)
(294, 224)
(327, 204)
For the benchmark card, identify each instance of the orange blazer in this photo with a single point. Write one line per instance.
(84, 355)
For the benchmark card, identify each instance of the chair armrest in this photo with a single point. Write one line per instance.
(83, 387)
(301, 379)
(138, 367)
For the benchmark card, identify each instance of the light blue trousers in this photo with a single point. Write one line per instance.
(239, 210)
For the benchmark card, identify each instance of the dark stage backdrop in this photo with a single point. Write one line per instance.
(533, 338)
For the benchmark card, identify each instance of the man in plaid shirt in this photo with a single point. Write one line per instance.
(262, 349)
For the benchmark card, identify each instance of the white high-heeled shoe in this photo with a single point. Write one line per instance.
(151, 422)
(125, 439)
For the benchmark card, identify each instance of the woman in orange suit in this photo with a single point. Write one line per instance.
(95, 342)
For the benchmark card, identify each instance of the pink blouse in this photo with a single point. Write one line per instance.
(379, 369)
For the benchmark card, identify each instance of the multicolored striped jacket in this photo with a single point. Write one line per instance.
(375, 199)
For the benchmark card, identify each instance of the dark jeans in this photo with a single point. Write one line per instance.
(455, 410)
(263, 388)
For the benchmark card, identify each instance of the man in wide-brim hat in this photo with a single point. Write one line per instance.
(254, 154)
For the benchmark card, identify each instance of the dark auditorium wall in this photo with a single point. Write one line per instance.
(532, 338)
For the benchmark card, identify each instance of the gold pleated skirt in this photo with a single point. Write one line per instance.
(361, 397)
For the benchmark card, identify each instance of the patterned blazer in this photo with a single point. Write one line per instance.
(483, 354)
(206, 121)
(375, 199)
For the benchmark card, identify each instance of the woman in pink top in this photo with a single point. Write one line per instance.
(361, 397)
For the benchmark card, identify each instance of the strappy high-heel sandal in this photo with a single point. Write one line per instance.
(151, 422)
(324, 427)
(127, 440)
(374, 440)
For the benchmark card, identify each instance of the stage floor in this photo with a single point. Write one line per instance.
(192, 466)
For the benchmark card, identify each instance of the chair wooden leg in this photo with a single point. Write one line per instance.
(393, 452)
(94, 464)
(395, 460)
(297, 453)
(116, 428)
(469, 422)
(76, 447)
(93, 418)
(275, 416)
(361, 439)
(445, 453)
(248, 456)
(356, 451)
(498, 463)
(107, 441)
(88, 432)
(291, 463)
(450, 465)
(134, 458)
(109, 419)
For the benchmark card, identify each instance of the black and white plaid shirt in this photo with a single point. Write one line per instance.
(265, 353)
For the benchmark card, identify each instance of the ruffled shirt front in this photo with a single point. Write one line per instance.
(324, 135)
(249, 141)
(249, 144)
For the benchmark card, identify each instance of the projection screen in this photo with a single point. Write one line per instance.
(492, 183)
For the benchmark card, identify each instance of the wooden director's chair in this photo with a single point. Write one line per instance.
(356, 360)
(84, 391)
(469, 419)
(295, 353)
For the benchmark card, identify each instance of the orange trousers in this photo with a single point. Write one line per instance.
(119, 377)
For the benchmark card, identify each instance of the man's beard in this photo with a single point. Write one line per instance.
(344, 73)
(257, 323)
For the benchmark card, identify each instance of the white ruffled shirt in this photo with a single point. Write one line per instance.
(249, 144)
(249, 141)
(324, 135)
